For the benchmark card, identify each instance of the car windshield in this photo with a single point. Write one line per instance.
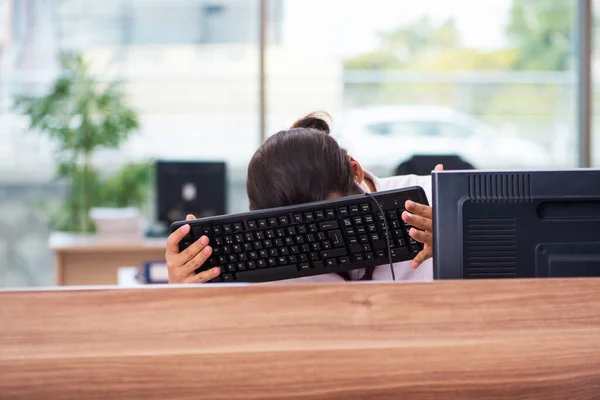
(431, 129)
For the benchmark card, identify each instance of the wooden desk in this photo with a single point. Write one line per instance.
(444, 340)
(89, 260)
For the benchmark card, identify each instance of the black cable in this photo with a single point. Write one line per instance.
(387, 234)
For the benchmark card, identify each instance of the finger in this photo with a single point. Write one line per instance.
(189, 217)
(439, 167)
(175, 238)
(194, 249)
(421, 236)
(204, 276)
(421, 257)
(197, 261)
(418, 209)
(417, 221)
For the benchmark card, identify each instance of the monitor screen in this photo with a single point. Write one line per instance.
(184, 187)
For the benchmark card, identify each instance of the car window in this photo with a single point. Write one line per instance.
(447, 130)
(403, 128)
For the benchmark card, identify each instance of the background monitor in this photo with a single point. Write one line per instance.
(185, 187)
(516, 224)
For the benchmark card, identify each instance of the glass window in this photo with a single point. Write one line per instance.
(499, 74)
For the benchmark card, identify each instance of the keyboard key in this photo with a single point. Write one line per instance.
(369, 219)
(344, 261)
(375, 236)
(283, 251)
(401, 242)
(369, 256)
(268, 243)
(315, 246)
(305, 248)
(227, 229)
(309, 216)
(318, 265)
(361, 230)
(336, 238)
(260, 235)
(282, 260)
(278, 242)
(288, 241)
(243, 257)
(226, 249)
(334, 253)
(358, 220)
(218, 230)
(312, 228)
(271, 262)
(206, 231)
(414, 249)
(343, 211)
(364, 207)
(379, 244)
(270, 234)
(238, 226)
(403, 251)
(294, 250)
(363, 239)
(319, 214)
(230, 267)
(291, 230)
(232, 258)
(392, 214)
(267, 274)
(221, 260)
(227, 278)
(228, 240)
(372, 228)
(272, 221)
(299, 239)
(247, 246)
(258, 245)
(293, 260)
(358, 257)
(354, 209)
(305, 267)
(262, 223)
(366, 247)
(251, 265)
(280, 232)
(380, 254)
(314, 256)
(283, 220)
(263, 254)
(326, 245)
(249, 236)
(253, 255)
(353, 240)
(237, 248)
(330, 263)
(350, 231)
(219, 241)
(347, 222)
(238, 238)
(261, 264)
(241, 266)
(297, 217)
(321, 236)
(328, 225)
(252, 225)
(329, 213)
(396, 224)
(273, 253)
(302, 229)
(303, 258)
(310, 237)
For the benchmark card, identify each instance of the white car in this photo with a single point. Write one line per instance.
(385, 136)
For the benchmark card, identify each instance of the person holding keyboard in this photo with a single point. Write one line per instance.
(305, 164)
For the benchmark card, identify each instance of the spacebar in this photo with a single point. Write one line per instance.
(268, 274)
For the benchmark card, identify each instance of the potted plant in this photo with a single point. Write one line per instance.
(83, 115)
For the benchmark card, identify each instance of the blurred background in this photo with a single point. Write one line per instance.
(94, 92)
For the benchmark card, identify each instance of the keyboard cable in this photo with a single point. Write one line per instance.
(387, 234)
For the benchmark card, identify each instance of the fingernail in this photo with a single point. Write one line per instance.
(206, 250)
(216, 271)
(410, 203)
(407, 215)
(413, 231)
(204, 240)
(185, 228)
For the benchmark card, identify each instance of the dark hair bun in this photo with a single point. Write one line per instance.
(316, 120)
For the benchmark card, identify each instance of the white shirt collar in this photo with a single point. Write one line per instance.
(373, 178)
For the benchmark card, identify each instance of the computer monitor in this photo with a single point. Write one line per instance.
(186, 187)
(507, 224)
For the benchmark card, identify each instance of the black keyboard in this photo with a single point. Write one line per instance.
(307, 239)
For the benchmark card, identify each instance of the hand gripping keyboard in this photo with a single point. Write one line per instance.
(308, 239)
